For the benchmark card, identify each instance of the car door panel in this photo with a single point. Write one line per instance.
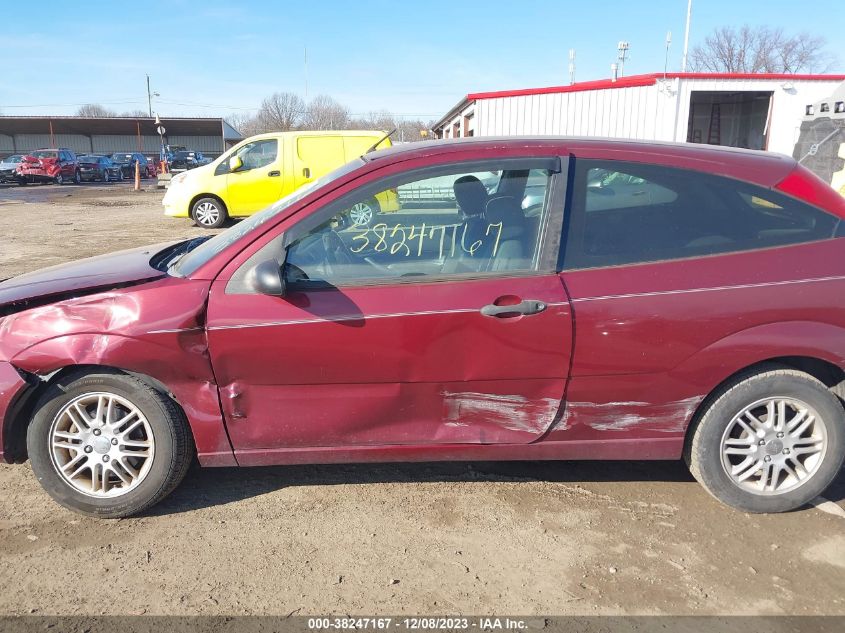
(408, 363)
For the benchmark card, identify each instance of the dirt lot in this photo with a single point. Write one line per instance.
(528, 538)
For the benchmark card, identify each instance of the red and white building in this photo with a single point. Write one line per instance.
(755, 111)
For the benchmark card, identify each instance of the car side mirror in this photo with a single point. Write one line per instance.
(235, 163)
(267, 278)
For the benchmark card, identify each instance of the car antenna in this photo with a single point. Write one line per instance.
(380, 141)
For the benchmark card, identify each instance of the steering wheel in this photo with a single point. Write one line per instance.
(336, 251)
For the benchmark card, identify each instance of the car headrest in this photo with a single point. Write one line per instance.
(507, 210)
(470, 194)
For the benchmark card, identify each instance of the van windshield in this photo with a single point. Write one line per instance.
(192, 260)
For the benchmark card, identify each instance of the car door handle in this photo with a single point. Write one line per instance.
(527, 306)
(275, 172)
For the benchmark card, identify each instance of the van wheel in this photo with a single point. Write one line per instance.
(364, 213)
(108, 444)
(770, 441)
(209, 213)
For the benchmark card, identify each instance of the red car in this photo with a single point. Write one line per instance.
(636, 301)
(50, 165)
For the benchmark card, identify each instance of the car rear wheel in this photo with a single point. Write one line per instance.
(77, 177)
(59, 179)
(105, 175)
(108, 444)
(769, 441)
(209, 213)
(364, 213)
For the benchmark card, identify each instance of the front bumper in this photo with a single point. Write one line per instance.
(11, 385)
(175, 205)
(36, 173)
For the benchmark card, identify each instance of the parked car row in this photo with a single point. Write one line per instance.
(62, 165)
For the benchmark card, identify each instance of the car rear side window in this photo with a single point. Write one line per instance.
(628, 213)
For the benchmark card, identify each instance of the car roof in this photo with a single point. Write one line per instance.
(765, 168)
(293, 133)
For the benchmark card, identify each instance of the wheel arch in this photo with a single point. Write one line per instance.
(825, 371)
(199, 196)
(19, 416)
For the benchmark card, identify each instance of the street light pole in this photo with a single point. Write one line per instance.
(149, 97)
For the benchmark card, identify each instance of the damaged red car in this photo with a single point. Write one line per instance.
(546, 299)
(59, 166)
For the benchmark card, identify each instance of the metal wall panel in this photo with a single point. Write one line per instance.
(659, 112)
(636, 112)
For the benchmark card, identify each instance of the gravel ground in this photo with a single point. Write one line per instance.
(529, 538)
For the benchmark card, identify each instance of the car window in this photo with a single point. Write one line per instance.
(257, 154)
(455, 222)
(625, 213)
(200, 255)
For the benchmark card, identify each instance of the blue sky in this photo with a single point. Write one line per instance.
(412, 58)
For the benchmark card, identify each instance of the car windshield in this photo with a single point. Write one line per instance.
(89, 159)
(191, 261)
(183, 154)
(45, 154)
(13, 159)
(122, 157)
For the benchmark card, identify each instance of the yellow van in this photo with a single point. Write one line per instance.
(263, 168)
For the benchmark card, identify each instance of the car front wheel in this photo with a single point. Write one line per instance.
(108, 444)
(59, 179)
(209, 213)
(770, 441)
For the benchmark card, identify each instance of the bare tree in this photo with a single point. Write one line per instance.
(280, 112)
(760, 50)
(136, 113)
(94, 110)
(324, 113)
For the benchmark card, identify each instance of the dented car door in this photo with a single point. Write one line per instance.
(426, 358)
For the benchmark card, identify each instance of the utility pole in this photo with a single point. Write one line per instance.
(571, 65)
(306, 72)
(622, 47)
(686, 37)
(666, 60)
(150, 96)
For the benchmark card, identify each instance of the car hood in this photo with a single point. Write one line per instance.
(81, 277)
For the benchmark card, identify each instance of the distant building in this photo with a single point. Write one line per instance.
(755, 111)
(107, 135)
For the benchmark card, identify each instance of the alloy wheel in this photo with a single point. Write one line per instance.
(207, 214)
(774, 445)
(101, 444)
(361, 214)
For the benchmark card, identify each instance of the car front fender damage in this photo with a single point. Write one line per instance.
(155, 331)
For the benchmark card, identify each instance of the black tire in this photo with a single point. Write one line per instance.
(704, 450)
(170, 462)
(59, 179)
(105, 175)
(77, 177)
(120, 175)
(22, 182)
(205, 217)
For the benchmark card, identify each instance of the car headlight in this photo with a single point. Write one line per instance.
(178, 179)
